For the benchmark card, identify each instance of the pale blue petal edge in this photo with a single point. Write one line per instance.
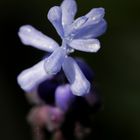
(31, 77)
(55, 17)
(92, 31)
(30, 36)
(78, 82)
(69, 9)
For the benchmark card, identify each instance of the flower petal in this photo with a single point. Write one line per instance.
(30, 78)
(88, 26)
(30, 36)
(79, 84)
(92, 31)
(55, 17)
(87, 31)
(64, 97)
(69, 9)
(54, 62)
(88, 45)
(95, 15)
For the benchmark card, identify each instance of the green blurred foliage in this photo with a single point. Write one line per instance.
(117, 65)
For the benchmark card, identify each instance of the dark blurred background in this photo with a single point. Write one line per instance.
(117, 65)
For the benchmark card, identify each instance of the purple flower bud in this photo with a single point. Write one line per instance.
(64, 97)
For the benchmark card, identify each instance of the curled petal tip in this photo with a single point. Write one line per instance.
(55, 17)
(23, 32)
(54, 13)
(80, 91)
(69, 9)
(96, 14)
(25, 28)
(78, 82)
(24, 82)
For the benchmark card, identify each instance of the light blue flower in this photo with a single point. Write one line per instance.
(76, 34)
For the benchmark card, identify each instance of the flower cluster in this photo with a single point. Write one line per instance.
(76, 34)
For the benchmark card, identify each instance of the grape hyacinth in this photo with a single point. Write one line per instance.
(76, 34)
